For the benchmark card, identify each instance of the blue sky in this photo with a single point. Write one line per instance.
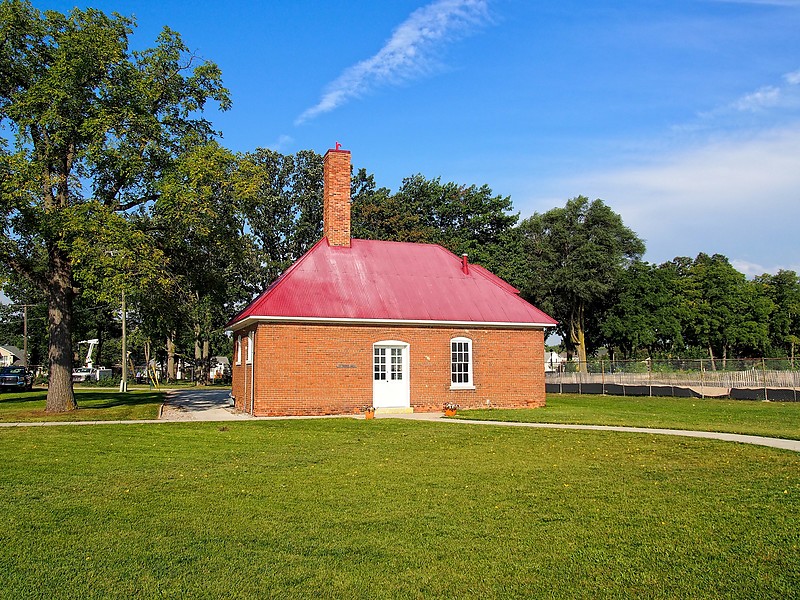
(682, 115)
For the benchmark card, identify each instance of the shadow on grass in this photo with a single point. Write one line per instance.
(93, 405)
(114, 399)
(22, 397)
(93, 399)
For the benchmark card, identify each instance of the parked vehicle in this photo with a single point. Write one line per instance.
(89, 372)
(16, 378)
(82, 374)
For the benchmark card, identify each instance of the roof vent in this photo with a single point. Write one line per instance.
(464, 264)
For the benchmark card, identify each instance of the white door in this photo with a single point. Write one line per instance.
(390, 385)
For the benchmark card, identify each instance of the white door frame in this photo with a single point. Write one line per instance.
(391, 388)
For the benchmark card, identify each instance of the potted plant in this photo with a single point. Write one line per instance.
(450, 409)
(369, 412)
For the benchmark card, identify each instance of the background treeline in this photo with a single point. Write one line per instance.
(112, 183)
(228, 224)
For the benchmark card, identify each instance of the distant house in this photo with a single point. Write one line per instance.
(10, 355)
(399, 326)
(553, 361)
(220, 368)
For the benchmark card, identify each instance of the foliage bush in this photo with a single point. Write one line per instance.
(112, 381)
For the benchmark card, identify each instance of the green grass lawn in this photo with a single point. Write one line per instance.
(93, 405)
(347, 508)
(774, 419)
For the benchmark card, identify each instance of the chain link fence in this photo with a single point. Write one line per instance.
(755, 379)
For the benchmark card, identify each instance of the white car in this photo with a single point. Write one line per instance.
(83, 374)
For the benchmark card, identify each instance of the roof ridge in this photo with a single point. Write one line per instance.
(496, 279)
(484, 272)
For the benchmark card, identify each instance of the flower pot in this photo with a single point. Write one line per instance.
(449, 412)
(370, 414)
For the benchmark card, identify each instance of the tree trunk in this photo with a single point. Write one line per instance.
(711, 356)
(198, 357)
(577, 336)
(171, 357)
(206, 362)
(60, 396)
(99, 349)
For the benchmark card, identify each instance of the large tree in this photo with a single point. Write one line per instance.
(94, 127)
(643, 312)
(465, 219)
(214, 265)
(783, 289)
(575, 257)
(281, 201)
(724, 313)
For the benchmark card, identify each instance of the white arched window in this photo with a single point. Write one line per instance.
(461, 364)
(251, 338)
(239, 350)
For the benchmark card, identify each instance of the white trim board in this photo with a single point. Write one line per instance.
(247, 321)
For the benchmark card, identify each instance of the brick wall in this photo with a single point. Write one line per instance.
(327, 369)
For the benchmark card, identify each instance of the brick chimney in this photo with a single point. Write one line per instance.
(336, 208)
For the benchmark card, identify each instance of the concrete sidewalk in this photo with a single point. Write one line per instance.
(215, 405)
(757, 440)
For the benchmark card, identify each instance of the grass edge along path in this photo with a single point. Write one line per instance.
(768, 419)
(393, 509)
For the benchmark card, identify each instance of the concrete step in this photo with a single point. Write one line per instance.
(394, 410)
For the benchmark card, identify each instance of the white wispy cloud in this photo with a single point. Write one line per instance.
(409, 53)
(736, 194)
(752, 269)
(281, 143)
(784, 94)
(764, 97)
(792, 78)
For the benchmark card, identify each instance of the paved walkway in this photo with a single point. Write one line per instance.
(713, 435)
(215, 405)
(200, 405)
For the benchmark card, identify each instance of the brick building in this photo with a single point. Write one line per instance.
(398, 326)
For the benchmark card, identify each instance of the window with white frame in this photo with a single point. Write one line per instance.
(461, 363)
(239, 350)
(379, 364)
(250, 340)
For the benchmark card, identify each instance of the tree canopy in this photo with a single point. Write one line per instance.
(575, 256)
(465, 219)
(95, 126)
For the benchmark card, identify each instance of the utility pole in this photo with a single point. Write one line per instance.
(24, 331)
(123, 385)
(25, 335)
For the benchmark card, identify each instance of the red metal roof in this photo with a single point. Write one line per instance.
(390, 281)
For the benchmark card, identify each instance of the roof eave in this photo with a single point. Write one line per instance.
(250, 320)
